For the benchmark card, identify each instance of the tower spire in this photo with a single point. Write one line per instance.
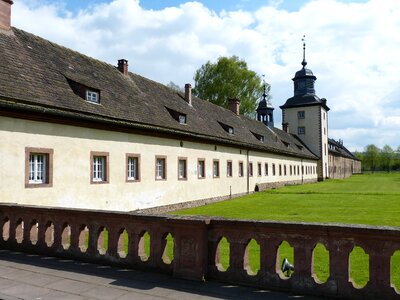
(304, 62)
(265, 93)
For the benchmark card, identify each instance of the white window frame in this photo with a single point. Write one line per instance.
(229, 167)
(301, 130)
(201, 168)
(182, 168)
(99, 168)
(182, 119)
(92, 96)
(37, 168)
(215, 168)
(241, 169)
(132, 168)
(161, 163)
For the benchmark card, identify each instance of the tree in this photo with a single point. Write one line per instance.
(229, 78)
(371, 157)
(387, 158)
(175, 87)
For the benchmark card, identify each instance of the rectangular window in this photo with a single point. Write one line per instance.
(298, 170)
(250, 169)
(132, 167)
(38, 167)
(229, 168)
(99, 167)
(161, 168)
(291, 171)
(280, 170)
(273, 170)
(182, 168)
(259, 170)
(216, 168)
(92, 96)
(284, 170)
(302, 170)
(301, 114)
(182, 119)
(201, 172)
(301, 130)
(266, 169)
(240, 169)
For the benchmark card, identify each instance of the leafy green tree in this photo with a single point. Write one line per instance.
(387, 158)
(371, 157)
(396, 163)
(226, 79)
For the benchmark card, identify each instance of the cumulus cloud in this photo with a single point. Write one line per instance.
(351, 47)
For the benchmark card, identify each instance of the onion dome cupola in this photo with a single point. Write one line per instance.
(304, 90)
(265, 110)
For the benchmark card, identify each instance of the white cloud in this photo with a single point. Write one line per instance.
(351, 47)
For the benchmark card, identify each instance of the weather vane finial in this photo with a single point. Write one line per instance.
(304, 62)
(264, 94)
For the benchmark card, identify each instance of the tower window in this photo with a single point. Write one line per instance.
(301, 130)
(301, 114)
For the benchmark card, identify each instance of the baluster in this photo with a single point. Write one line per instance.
(237, 249)
(302, 278)
(113, 241)
(339, 251)
(379, 268)
(268, 256)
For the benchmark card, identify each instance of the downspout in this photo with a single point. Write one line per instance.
(248, 169)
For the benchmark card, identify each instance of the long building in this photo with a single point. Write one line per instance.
(78, 132)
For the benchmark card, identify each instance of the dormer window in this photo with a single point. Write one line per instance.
(182, 119)
(86, 92)
(227, 128)
(300, 147)
(286, 144)
(178, 116)
(92, 96)
(258, 136)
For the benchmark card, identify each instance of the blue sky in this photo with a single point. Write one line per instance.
(352, 48)
(215, 5)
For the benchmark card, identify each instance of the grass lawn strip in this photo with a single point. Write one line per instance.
(371, 199)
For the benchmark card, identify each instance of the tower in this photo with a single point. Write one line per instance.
(306, 115)
(265, 110)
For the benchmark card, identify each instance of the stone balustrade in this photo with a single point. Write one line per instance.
(82, 234)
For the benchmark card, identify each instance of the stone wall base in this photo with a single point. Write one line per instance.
(201, 202)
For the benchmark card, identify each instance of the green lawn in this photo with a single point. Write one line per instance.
(372, 199)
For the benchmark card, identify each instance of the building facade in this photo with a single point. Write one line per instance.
(78, 132)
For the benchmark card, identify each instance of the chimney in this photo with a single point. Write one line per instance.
(188, 93)
(285, 127)
(123, 66)
(234, 106)
(5, 14)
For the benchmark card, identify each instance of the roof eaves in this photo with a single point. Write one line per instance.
(77, 115)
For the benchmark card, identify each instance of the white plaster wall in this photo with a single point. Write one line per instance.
(71, 168)
(315, 137)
